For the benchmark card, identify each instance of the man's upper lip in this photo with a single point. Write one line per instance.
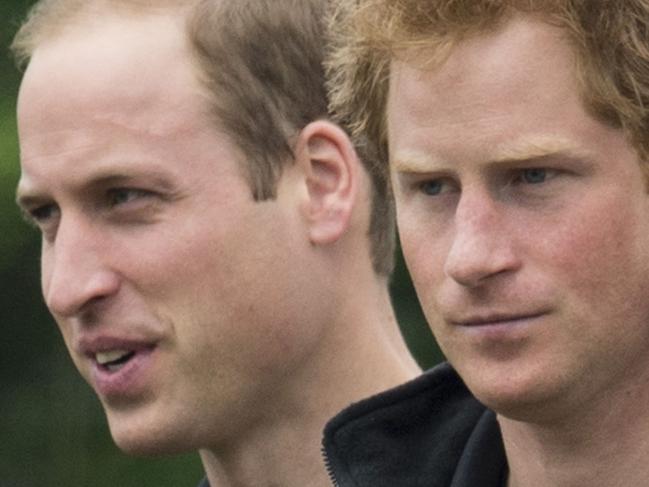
(480, 319)
(90, 345)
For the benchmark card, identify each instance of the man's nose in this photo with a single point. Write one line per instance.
(75, 272)
(483, 244)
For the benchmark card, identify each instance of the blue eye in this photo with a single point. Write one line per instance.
(432, 188)
(534, 175)
(119, 196)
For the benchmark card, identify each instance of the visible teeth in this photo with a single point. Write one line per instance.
(104, 358)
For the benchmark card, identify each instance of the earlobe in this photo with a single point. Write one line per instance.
(331, 168)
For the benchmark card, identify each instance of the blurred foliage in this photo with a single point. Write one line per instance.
(411, 319)
(52, 427)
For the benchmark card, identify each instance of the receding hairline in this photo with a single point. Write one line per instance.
(48, 19)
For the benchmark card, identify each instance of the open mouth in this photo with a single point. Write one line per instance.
(113, 360)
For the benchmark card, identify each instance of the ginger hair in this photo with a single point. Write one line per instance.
(610, 40)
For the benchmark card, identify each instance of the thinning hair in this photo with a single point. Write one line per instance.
(610, 39)
(261, 62)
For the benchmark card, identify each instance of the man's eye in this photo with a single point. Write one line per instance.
(535, 175)
(43, 213)
(432, 188)
(120, 196)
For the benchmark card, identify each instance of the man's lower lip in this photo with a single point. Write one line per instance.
(504, 325)
(129, 380)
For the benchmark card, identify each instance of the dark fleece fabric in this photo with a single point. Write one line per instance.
(430, 432)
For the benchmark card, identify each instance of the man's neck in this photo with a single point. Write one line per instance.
(284, 447)
(257, 460)
(601, 445)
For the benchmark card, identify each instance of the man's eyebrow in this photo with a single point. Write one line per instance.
(28, 195)
(540, 160)
(541, 151)
(112, 178)
(414, 161)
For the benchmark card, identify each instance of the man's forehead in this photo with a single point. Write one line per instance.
(452, 58)
(111, 37)
(118, 70)
(482, 75)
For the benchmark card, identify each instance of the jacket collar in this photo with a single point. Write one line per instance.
(428, 432)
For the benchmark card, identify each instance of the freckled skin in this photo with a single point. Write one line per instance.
(571, 249)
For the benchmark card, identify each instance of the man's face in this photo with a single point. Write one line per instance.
(524, 222)
(176, 293)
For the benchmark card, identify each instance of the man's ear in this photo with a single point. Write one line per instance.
(331, 169)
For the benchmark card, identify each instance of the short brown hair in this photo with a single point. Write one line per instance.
(262, 60)
(610, 37)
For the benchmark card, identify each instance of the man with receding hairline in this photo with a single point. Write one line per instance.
(214, 251)
(516, 137)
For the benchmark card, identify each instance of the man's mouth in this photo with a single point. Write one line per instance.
(113, 360)
(498, 319)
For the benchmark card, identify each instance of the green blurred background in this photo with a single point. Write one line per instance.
(52, 429)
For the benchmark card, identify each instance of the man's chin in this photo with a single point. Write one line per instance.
(529, 402)
(148, 441)
(140, 447)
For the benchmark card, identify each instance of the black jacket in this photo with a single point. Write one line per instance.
(430, 432)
